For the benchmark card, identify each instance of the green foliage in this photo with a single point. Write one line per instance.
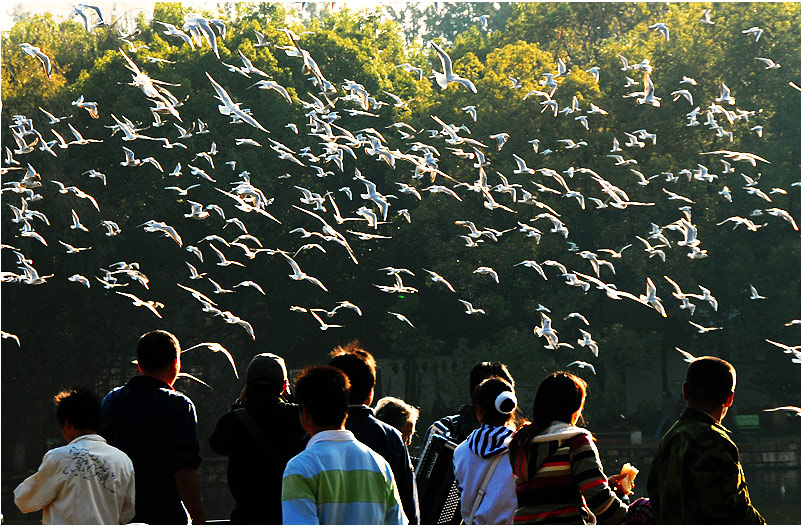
(523, 41)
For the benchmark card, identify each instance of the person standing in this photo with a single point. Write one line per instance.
(360, 368)
(86, 481)
(259, 435)
(157, 427)
(695, 475)
(400, 415)
(481, 466)
(465, 421)
(336, 480)
(556, 466)
(456, 428)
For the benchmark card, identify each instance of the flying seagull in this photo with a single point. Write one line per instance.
(34, 51)
(443, 79)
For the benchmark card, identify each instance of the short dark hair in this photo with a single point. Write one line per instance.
(359, 366)
(485, 395)
(324, 392)
(395, 412)
(80, 406)
(156, 350)
(484, 370)
(710, 381)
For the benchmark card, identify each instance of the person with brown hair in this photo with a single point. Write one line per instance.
(481, 467)
(336, 480)
(557, 470)
(86, 481)
(695, 476)
(360, 368)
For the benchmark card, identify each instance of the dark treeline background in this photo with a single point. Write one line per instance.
(73, 335)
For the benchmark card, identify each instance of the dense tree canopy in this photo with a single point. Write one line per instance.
(357, 119)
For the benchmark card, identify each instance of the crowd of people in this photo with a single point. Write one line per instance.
(323, 455)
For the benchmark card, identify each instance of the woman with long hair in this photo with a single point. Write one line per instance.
(481, 468)
(557, 470)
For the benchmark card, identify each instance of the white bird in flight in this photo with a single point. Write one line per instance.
(662, 28)
(795, 409)
(755, 31)
(488, 271)
(230, 108)
(754, 294)
(217, 348)
(444, 78)
(769, 63)
(150, 304)
(402, 318)
(651, 299)
(470, 309)
(577, 316)
(545, 330)
(435, 277)
(34, 51)
(298, 274)
(688, 357)
(250, 283)
(324, 325)
(79, 279)
(582, 364)
(534, 265)
(703, 329)
(76, 222)
(589, 342)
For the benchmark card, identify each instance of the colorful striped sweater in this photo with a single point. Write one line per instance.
(337, 480)
(559, 479)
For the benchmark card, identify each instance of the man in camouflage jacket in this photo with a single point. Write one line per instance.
(695, 476)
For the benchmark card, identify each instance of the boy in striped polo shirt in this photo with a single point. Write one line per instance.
(336, 480)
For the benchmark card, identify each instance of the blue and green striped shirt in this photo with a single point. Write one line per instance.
(337, 480)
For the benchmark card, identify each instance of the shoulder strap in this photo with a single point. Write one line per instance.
(481, 491)
(252, 426)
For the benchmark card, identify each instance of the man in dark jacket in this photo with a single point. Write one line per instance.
(360, 367)
(695, 476)
(259, 435)
(157, 427)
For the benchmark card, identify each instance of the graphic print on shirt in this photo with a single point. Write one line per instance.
(89, 466)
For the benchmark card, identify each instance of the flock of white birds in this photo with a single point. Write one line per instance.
(370, 207)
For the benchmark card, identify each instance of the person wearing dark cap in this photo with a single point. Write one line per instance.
(259, 435)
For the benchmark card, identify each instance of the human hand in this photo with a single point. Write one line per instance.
(629, 472)
(621, 484)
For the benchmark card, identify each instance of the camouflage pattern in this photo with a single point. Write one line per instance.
(696, 477)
